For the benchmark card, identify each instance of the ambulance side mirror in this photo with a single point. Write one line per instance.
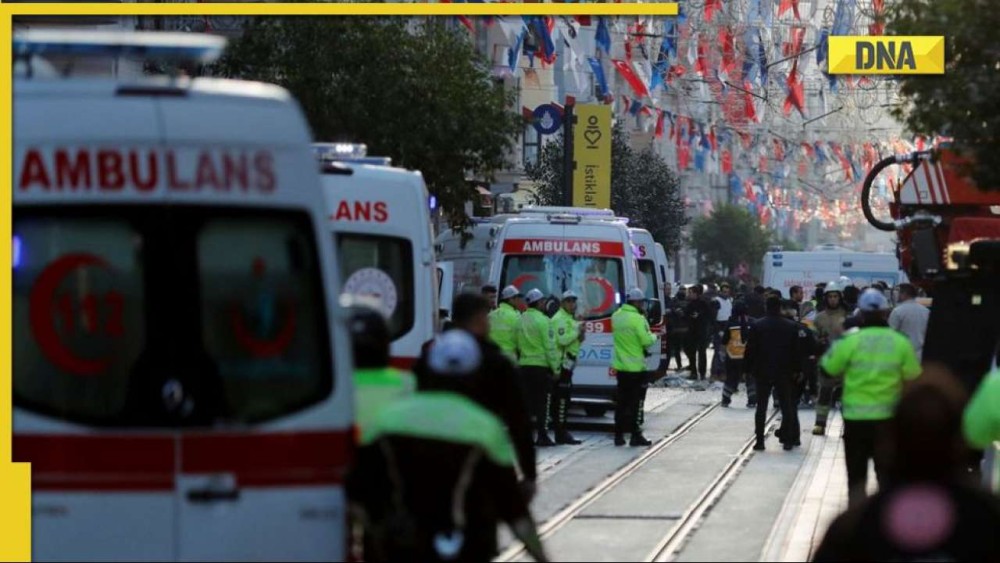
(654, 311)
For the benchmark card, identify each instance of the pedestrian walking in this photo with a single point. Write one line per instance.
(496, 384)
(505, 321)
(723, 305)
(734, 340)
(809, 352)
(874, 363)
(376, 384)
(700, 323)
(678, 328)
(928, 511)
(829, 327)
(538, 360)
(631, 338)
(569, 334)
(910, 318)
(773, 358)
(435, 475)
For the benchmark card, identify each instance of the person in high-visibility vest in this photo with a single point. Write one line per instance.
(981, 423)
(539, 361)
(734, 344)
(505, 321)
(631, 338)
(375, 383)
(875, 363)
(569, 335)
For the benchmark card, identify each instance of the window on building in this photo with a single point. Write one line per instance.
(531, 145)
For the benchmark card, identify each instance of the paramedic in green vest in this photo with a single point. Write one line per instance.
(505, 321)
(981, 424)
(539, 362)
(435, 474)
(569, 335)
(875, 363)
(375, 383)
(631, 338)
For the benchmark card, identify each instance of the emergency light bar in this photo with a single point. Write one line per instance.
(579, 211)
(356, 153)
(185, 47)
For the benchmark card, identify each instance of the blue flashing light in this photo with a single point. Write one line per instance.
(433, 202)
(356, 153)
(194, 47)
(16, 252)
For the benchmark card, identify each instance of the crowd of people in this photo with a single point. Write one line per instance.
(448, 453)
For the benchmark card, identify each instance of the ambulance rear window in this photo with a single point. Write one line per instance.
(179, 316)
(647, 279)
(380, 267)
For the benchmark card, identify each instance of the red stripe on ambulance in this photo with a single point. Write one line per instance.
(148, 463)
(141, 170)
(563, 246)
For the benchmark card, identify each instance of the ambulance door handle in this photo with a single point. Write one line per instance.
(214, 494)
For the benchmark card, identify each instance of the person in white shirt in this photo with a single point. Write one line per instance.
(910, 317)
(723, 305)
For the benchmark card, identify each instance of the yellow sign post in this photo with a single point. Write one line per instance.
(592, 156)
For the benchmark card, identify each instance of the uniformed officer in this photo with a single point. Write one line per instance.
(435, 474)
(631, 338)
(875, 362)
(829, 327)
(375, 383)
(539, 362)
(505, 321)
(569, 335)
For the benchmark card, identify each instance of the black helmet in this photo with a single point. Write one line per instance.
(370, 337)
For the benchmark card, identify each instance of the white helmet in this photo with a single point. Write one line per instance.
(509, 292)
(454, 352)
(534, 296)
(832, 287)
(636, 294)
(845, 282)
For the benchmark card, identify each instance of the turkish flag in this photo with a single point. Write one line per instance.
(629, 75)
(796, 92)
(792, 5)
(727, 162)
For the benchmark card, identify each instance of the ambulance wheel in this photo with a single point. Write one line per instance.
(595, 411)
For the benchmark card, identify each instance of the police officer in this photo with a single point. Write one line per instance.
(875, 362)
(505, 321)
(490, 293)
(435, 473)
(375, 383)
(773, 358)
(829, 327)
(631, 338)
(569, 335)
(539, 363)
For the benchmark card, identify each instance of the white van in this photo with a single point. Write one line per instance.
(784, 270)
(555, 249)
(652, 278)
(380, 218)
(181, 385)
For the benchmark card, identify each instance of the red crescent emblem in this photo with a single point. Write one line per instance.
(259, 347)
(609, 294)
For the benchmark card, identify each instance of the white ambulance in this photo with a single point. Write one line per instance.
(652, 278)
(470, 256)
(555, 249)
(380, 219)
(784, 270)
(181, 382)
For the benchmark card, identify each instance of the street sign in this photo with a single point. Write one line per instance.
(592, 154)
(547, 119)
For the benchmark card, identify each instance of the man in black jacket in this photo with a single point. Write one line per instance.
(701, 320)
(495, 384)
(773, 357)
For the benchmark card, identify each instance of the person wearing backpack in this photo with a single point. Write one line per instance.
(734, 342)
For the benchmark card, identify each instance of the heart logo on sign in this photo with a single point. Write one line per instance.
(592, 136)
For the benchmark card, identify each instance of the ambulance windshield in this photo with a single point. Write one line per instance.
(597, 280)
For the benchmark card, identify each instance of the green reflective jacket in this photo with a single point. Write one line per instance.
(982, 416)
(447, 417)
(505, 322)
(567, 334)
(632, 336)
(874, 362)
(535, 341)
(374, 389)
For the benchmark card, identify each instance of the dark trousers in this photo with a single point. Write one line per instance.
(697, 353)
(718, 359)
(631, 390)
(827, 390)
(734, 374)
(562, 392)
(782, 383)
(864, 440)
(675, 347)
(538, 388)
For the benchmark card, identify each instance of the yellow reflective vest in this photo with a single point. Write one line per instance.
(632, 336)
(536, 345)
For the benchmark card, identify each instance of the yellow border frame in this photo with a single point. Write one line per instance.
(15, 479)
